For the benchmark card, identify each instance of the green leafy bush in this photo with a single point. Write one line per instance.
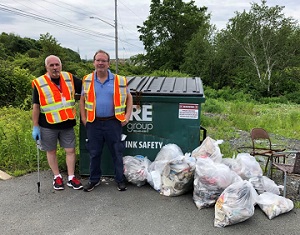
(15, 85)
(213, 106)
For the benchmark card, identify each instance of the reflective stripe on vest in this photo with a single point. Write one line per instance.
(57, 104)
(120, 93)
(89, 96)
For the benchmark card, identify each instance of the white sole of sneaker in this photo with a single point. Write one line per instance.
(76, 188)
(58, 188)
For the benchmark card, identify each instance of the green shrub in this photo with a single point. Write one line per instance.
(213, 106)
(294, 97)
(16, 85)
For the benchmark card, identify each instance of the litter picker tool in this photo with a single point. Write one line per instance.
(38, 147)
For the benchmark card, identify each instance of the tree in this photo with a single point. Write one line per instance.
(15, 44)
(264, 35)
(2, 51)
(170, 25)
(50, 46)
(198, 56)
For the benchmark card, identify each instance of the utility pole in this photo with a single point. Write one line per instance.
(116, 36)
(116, 33)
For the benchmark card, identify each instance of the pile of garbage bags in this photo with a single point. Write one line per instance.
(234, 186)
(171, 173)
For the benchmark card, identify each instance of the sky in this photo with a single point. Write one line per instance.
(86, 26)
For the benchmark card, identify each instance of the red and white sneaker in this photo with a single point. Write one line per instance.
(75, 183)
(58, 183)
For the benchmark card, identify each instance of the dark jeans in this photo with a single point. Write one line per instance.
(99, 133)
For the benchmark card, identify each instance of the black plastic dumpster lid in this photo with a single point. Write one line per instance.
(166, 85)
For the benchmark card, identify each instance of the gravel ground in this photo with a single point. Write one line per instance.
(293, 182)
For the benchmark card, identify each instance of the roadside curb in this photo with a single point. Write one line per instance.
(4, 176)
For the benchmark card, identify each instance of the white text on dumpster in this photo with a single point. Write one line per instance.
(144, 144)
(141, 113)
(142, 117)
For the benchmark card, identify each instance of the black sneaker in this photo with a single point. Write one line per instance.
(90, 186)
(58, 184)
(122, 186)
(74, 183)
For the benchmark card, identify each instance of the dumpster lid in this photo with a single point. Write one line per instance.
(166, 85)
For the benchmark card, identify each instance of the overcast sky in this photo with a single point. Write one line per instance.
(70, 22)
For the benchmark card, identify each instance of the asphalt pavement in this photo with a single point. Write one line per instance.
(105, 210)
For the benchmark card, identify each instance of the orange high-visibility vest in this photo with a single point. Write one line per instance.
(120, 95)
(58, 104)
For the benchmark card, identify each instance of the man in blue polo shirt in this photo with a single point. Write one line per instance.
(105, 107)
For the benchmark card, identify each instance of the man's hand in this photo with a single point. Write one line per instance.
(36, 134)
(124, 123)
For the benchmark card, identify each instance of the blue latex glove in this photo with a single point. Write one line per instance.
(36, 134)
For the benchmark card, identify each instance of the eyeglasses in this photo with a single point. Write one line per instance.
(101, 61)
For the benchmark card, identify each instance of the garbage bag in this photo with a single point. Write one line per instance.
(273, 205)
(168, 152)
(233, 164)
(209, 148)
(270, 186)
(249, 166)
(235, 204)
(177, 176)
(258, 183)
(136, 169)
(264, 184)
(210, 179)
(165, 155)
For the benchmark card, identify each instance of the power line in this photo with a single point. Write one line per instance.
(51, 21)
(90, 14)
(69, 26)
(81, 11)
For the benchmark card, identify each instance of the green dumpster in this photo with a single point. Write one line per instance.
(166, 110)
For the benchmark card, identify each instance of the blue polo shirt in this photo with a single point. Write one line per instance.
(104, 96)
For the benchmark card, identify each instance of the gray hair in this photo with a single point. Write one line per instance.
(50, 56)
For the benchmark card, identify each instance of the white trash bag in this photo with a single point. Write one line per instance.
(136, 169)
(264, 184)
(166, 154)
(210, 179)
(249, 166)
(209, 148)
(177, 176)
(232, 163)
(270, 186)
(273, 205)
(258, 183)
(235, 204)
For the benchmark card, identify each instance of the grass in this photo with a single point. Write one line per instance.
(223, 119)
(18, 152)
